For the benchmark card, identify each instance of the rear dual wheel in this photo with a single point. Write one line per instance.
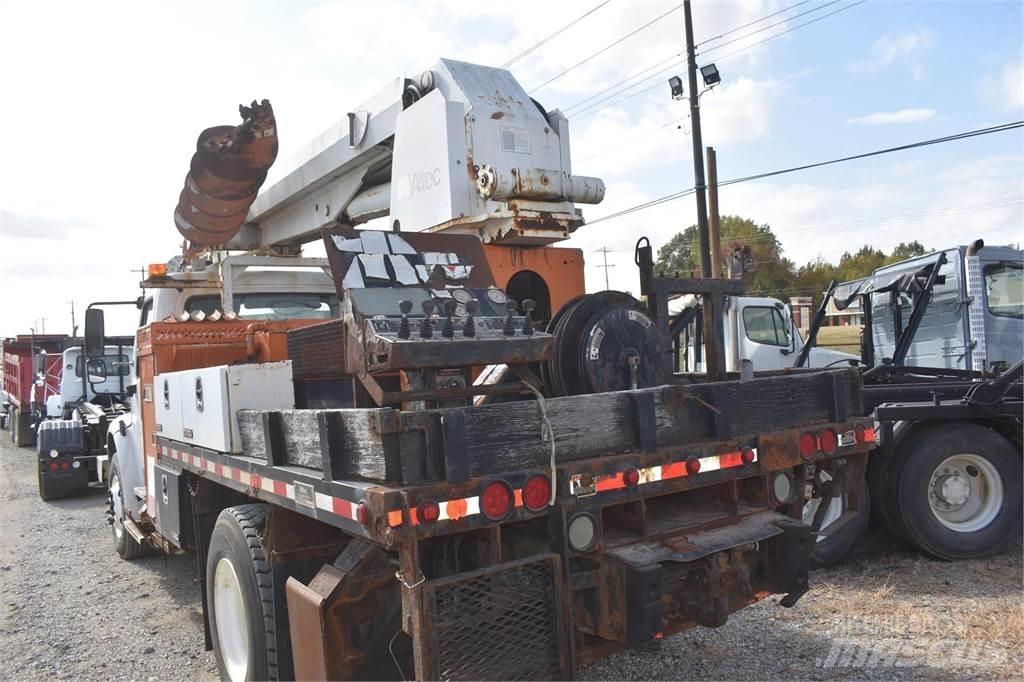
(240, 596)
(842, 522)
(957, 491)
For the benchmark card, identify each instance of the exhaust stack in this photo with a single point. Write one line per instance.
(226, 172)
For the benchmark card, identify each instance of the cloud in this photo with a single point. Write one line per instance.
(901, 116)
(1006, 88)
(17, 226)
(890, 49)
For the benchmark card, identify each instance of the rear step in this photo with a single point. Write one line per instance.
(134, 531)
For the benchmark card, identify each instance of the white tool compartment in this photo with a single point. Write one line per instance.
(167, 401)
(210, 398)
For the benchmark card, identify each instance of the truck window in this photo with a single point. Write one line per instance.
(764, 324)
(285, 306)
(116, 365)
(147, 310)
(1004, 290)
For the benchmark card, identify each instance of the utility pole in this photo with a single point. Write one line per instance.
(42, 323)
(605, 250)
(74, 327)
(715, 226)
(693, 95)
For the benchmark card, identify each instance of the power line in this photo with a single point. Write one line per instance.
(771, 26)
(755, 21)
(634, 139)
(605, 250)
(595, 107)
(605, 48)
(924, 143)
(553, 35)
(789, 30)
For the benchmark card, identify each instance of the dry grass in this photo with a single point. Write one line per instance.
(846, 339)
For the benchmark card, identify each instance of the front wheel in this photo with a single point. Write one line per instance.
(959, 492)
(240, 596)
(126, 546)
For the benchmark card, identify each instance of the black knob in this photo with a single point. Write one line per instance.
(529, 305)
(469, 330)
(426, 327)
(510, 326)
(405, 306)
(448, 331)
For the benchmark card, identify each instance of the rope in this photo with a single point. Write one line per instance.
(548, 434)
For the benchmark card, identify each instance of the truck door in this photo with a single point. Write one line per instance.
(1004, 312)
(764, 337)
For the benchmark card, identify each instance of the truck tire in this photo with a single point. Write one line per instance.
(16, 434)
(830, 548)
(240, 596)
(959, 491)
(127, 547)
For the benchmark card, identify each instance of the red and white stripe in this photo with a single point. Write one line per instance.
(328, 503)
(667, 472)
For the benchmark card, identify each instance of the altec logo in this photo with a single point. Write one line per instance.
(422, 181)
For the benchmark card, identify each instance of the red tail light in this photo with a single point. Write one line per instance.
(496, 500)
(747, 455)
(428, 512)
(829, 441)
(631, 477)
(53, 466)
(65, 465)
(362, 514)
(537, 492)
(808, 445)
(692, 465)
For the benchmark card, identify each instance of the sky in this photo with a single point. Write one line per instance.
(102, 102)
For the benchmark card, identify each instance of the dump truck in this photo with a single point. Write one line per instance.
(389, 466)
(31, 375)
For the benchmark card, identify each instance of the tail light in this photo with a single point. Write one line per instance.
(362, 514)
(537, 492)
(631, 477)
(54, 466)
(864, 434)
(808, 445)
(747, 455)
(65, 465)
(692, 465)
(496, 500)
(428, 512)
(829, 441)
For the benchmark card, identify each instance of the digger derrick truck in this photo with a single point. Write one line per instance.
(443, 481)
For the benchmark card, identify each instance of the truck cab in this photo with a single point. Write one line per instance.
(975, 317)
(99, 380)
(757, 329)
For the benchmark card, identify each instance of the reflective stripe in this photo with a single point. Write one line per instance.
(666, 472)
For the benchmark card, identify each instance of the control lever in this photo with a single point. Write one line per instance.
(448, 331)
(469, 330)
(405, 306)
(426, 327)
(510, 327)
(529, 305)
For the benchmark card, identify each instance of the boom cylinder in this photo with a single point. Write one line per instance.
(226, 172)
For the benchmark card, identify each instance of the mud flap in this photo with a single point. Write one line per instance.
(792, 560)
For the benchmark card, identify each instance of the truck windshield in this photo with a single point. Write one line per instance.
(262, 306)
(1004, 289)
(116, 365)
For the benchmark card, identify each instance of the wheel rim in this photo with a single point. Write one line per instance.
(965, 493)
(116, 507)
(833, 511)
(232, 624)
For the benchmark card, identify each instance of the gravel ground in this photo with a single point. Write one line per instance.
(73, 609)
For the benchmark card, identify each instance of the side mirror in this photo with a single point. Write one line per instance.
(39, 362)
(94, 333)
(96, 370)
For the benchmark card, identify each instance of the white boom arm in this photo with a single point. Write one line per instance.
(459, 148)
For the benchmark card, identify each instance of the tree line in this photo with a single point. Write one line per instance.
(772, 274)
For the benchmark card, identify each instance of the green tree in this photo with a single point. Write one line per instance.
(771, 271)
(905, 250)
(860, 264)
